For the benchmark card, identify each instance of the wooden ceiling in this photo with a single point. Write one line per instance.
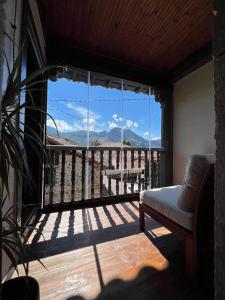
(156, 35)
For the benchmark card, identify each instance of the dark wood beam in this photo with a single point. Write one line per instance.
(191, 63)
(59, 53)
(2, 29)
(42, 18)
(166, 157)
(219, 86)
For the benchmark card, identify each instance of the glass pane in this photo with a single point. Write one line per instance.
(105, 134)
(111, 124)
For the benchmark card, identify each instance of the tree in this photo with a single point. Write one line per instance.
(126, 143)
(96, 143)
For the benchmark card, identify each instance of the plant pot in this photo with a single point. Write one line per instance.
(21, 288)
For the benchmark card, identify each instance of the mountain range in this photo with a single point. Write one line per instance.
(114, 135)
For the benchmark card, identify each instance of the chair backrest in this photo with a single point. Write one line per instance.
(193, 180)
(210, 157)
(207, 158)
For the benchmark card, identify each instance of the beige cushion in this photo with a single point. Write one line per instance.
(164, 200)
(195, 171)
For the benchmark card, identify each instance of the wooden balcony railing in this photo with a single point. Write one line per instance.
(80, 174)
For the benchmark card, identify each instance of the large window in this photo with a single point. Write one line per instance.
(107, 108)
(112, 124)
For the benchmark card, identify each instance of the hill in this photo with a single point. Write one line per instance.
(114, 135)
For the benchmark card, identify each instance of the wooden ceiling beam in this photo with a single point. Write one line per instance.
(152, 35)
(191, 63)
(59, 53)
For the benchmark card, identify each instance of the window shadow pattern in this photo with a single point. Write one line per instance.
(97, 225)
(106, 223)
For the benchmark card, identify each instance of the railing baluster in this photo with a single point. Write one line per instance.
(109, 176)
(73, 175)
(139, 166)
(56, 158)
(117, 167)
(71, 162)
(158, 168)
(92, 174)
(132, 166)
(83, 175)
(101, 170)
(146, 168)
(152, 170)
(63, 175)
(155, 168)
(125, 175)
(51, 177)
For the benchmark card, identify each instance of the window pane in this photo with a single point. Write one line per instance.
(111, 124)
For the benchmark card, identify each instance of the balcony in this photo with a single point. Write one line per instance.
(93, 251)
(99, 253)
(98, 174)
(86, 206)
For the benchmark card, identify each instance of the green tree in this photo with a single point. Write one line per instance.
(96, 143)
(126, 143)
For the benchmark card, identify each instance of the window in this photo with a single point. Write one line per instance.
(111, 124)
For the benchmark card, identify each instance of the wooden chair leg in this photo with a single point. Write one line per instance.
(191, 256)
(141, 218)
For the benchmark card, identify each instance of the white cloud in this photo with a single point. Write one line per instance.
(82, 111)
(112, 124)
(115, 117)
(156, 138)
(91, 121)
(131, 124)
(82, 114)
(118, 120)
(153, 137)
(62, 125)
(92, 124)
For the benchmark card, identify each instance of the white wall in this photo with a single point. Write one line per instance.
(193, 118)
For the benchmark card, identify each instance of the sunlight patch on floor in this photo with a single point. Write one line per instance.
(111, 248)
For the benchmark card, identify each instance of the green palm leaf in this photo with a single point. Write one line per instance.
(13, 154)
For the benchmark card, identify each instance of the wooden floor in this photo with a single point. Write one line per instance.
(99, 253)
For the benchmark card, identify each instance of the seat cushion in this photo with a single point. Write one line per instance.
(164, 201)
(194, 174)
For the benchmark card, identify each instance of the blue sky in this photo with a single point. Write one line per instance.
(67, 104)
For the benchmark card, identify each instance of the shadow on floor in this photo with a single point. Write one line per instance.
(89, 236)
(151, 284)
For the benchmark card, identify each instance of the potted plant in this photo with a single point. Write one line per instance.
(13, 243)
(13, 157)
